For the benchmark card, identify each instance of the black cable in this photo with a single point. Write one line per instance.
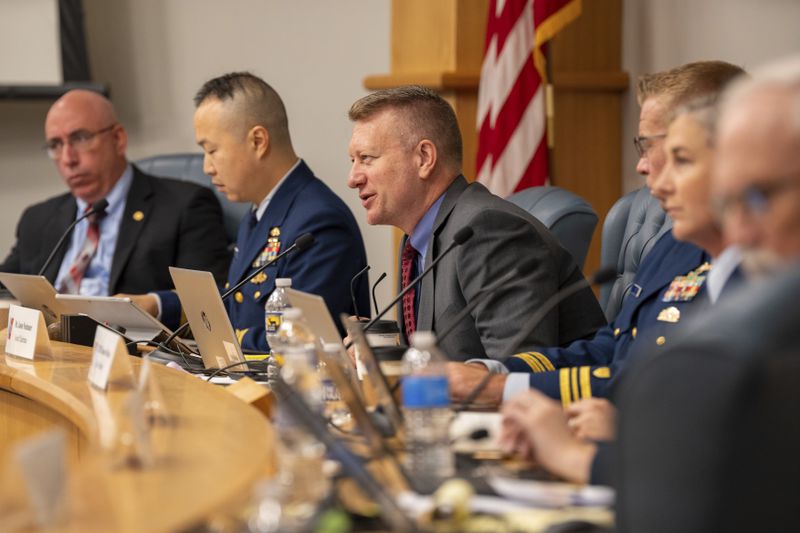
(216, 372)
(163, 348)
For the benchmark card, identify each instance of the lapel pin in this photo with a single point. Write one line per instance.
(138, 216)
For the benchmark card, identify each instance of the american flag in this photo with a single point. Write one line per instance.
(512, 142)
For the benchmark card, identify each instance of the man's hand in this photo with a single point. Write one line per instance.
(463, 378)
(593, 419)
(147, 302)
(535, 427)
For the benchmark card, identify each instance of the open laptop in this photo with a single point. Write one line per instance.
(34, 292)
(208, 318)
(139, 324)
(316, 315)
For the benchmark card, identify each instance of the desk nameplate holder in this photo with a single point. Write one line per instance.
(27, 333)
(109, 359)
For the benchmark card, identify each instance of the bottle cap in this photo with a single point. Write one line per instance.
(283, 282)
(423, 339)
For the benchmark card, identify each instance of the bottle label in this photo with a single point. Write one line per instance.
(272, 321)
(421, 392)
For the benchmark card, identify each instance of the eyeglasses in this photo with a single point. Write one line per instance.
(80, 140)
(643, 143)
(755, 199)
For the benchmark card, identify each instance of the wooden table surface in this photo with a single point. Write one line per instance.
(205, 461)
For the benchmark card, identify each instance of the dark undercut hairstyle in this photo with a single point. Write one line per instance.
(425, 115)
(256, 102)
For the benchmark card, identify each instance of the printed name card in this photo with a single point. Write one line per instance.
(27, 333)
(109, 359)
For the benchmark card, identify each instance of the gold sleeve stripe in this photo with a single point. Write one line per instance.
(240, 333)
(574, 378)
(586, 383)
(544, 360)
(531, 361)
(563, 381)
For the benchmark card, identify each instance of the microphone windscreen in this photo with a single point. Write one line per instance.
(100, 206)
(304, 241)
(462, 235)
(604, 275)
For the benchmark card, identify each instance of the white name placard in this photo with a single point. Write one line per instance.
(109, 358)
(27, 333)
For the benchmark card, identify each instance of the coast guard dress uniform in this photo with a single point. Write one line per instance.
(302, 204)
(670, 279)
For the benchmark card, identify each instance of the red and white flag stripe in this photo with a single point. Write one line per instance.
(512, 145)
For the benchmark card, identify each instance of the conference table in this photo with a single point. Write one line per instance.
(207, 454)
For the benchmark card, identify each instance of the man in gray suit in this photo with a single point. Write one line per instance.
(406, 156)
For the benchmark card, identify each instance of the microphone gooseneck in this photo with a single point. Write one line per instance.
(459, 238)
(601, 276)
(98, 208)
(353, 288)
(375, 286)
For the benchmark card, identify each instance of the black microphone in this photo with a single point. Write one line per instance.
(375, 286)
(459, 238)
(353, 288)
(303, 242)
(602, 276)
(98, 208)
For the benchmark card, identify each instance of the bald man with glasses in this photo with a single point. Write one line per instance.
(149, 224)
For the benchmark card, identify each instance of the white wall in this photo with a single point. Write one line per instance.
(157, 53)
(660, 34)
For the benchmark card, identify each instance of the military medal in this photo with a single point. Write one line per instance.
(271, 250)
(685, 288)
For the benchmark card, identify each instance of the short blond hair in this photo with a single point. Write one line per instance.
(679, 85)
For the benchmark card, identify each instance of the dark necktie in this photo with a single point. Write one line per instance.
(406, 267)
(71, 284)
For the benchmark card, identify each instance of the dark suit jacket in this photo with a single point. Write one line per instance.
(302, 204)
(505, 237)
(709, 430)
(181, 226)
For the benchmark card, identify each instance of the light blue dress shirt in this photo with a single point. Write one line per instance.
(96, 278)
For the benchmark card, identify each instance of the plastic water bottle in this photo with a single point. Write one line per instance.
(277, 302)
(273, 309)
(302, 486)
(426, 407)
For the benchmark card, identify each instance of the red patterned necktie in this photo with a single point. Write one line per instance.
(406, 267)
(71, 284)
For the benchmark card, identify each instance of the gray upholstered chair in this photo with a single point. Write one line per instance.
(632, 226)
(569, 217)
(189, 167)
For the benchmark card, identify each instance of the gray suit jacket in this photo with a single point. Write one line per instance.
(505, 237)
